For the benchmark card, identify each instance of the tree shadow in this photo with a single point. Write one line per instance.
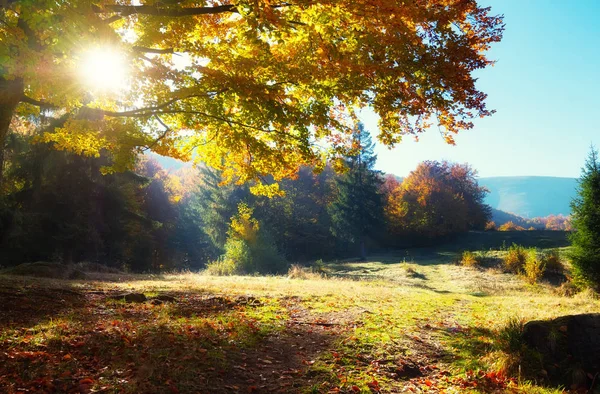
(221, 354)
(25, 304)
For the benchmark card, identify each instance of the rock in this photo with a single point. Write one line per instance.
(165, 298)
(130, 297)
(248, 300)
(569, 346)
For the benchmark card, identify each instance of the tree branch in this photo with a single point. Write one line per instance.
(160, 137)
(155, 10)
(159, 51)
(37, 103)
(146, 111)
(125, 10)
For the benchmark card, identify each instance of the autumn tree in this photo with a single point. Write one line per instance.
(585, 240)
(357, 210)
(510, 226)
(252, 88)
(437, 199)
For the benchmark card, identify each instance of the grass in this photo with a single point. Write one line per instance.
(404, 321)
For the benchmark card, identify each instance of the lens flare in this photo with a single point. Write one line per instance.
(103, 70)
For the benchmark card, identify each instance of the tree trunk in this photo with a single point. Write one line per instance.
(11, 92)
(363, 250)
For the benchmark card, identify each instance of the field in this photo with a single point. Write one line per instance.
(407, 321)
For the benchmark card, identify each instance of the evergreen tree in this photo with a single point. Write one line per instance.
(218, 204)
(585, 239)
(357, 210)
(298, 221)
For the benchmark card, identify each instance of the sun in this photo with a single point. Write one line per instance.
(104, 70)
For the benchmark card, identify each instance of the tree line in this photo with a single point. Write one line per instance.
(60, 206)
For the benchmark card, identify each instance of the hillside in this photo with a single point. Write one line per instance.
(530, 196)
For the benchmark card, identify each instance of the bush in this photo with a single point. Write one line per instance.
(515, 258)
(238, 252)
(248, 249)
(552, 260)
(469, 259)
(222, 267)
(567, 289)
(534, 267)
(319, 266)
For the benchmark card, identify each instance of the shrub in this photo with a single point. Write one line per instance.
(552, 260)
(515, 257)
(222, 267)
(238, 252)
(319, 266)
(248, 249)
(567, 289)
(469, 259)
(534, 267)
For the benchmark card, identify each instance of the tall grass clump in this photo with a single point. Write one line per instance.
(297, 271)
(469, 259)
(511, 356)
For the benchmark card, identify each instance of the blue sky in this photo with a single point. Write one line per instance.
(545, 88)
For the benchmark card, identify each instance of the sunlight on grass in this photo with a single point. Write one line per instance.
(424, 325)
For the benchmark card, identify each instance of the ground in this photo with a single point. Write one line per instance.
(407, 321)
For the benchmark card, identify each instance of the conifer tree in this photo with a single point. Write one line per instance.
(585, 239)
(357, 210)
(218, 203)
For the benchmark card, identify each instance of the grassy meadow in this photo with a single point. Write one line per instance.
(413, 320)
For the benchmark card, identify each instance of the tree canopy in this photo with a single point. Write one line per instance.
(437, 199)
(253, 88)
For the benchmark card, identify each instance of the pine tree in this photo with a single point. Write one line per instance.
(357, 210)
(218, 203)
(585, 239)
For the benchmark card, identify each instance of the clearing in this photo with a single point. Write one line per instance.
(410, 321)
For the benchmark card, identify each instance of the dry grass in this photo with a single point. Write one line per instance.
(444, 318)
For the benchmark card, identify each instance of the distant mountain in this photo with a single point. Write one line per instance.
(500, 217)
(530, 196)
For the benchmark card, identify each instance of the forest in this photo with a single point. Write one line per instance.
(152, 220)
